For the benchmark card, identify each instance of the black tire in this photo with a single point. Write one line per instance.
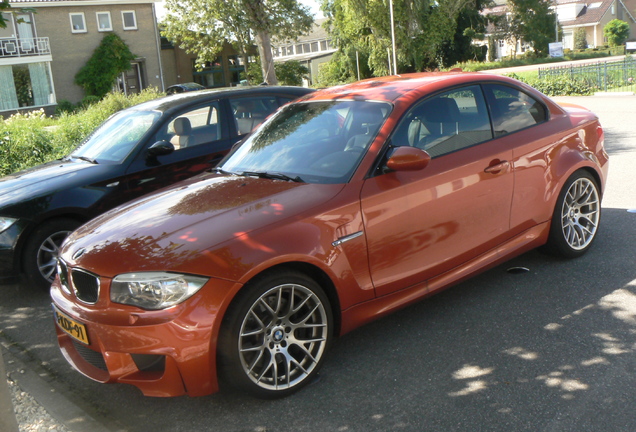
(41, 250)
(275, 335)
(576, 217)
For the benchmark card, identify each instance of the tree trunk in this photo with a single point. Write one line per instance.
(267, 59)
(245, 58)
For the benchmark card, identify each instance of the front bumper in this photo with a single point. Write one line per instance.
(164, 353)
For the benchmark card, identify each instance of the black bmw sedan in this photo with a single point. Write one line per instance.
(136, 151)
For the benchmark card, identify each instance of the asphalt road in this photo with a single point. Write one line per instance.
(551, 349)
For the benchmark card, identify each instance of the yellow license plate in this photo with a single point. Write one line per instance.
(71, 327)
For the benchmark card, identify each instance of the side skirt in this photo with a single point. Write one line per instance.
(363, 313)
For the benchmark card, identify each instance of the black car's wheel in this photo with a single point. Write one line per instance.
(42, 249)
(275, 337)
(576, 217)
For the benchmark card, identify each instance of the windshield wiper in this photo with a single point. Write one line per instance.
(85, 158)
(221, 171)
(273, 176)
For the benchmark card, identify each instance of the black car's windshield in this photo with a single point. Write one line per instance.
(116, 137)
(315, 142)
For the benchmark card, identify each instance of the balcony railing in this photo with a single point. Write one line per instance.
(24, 47)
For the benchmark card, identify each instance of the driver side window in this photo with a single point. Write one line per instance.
(192, 128)
(446, 123)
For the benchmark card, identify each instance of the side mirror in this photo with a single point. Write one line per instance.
(160, 148)
(408, 159)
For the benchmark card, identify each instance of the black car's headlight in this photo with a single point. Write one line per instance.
(154, 290)
(6, 222)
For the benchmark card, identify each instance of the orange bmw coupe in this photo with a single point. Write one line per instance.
(342, 207)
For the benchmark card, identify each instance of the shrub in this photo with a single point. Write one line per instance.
(580, 39)
(616, 32)
(64, 106)
(30, 139)
(110, 58)
(559, 85)
(290, 72)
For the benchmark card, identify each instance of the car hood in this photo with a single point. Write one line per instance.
(41, 177)
(163, 231)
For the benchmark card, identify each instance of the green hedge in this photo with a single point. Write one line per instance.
(33, 138)
(557, 85)
(530, 58)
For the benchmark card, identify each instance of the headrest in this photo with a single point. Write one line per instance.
(441, 110)
(182, 126)
(371, 114)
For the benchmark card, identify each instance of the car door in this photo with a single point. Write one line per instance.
(521, 121)
(200, 137)
(420, 224)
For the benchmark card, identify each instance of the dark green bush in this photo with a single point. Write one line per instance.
(64, 106)
(89, 100)
(109, 60)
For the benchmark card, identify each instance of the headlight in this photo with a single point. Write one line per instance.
(6, 222)
(154, 290)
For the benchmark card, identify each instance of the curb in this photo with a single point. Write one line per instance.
(614, 94)
(47, 392)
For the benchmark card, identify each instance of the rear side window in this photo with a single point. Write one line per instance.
(512, 110)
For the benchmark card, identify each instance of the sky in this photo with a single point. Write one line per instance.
(313, 4)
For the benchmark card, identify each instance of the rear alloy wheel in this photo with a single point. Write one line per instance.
(576, 217)
(277, 335)
(42, 250)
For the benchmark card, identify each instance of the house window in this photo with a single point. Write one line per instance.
(103, 22)
(25, 85)
(211, 75)
(78, 22)
(130, 20)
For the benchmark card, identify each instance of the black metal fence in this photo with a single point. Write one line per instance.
(600, 77)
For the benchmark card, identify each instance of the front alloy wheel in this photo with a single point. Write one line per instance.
(47, 255)
(42, 249)
(281, 334)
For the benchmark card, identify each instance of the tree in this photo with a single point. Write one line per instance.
(492, 49)
(580, 38)
(616, 32)
(109, 60)
(531, 21)
(290, 72)
(4, 6)
(539, 23)
(421, 28)
(471, 25)
(202, 27)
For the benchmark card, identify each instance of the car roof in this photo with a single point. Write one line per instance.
(187, 98)
(188, 85)
(390, 88)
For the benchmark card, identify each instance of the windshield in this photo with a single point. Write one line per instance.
(314, 142)
(116, 137)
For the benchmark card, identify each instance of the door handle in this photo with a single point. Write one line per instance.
(497, 167)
